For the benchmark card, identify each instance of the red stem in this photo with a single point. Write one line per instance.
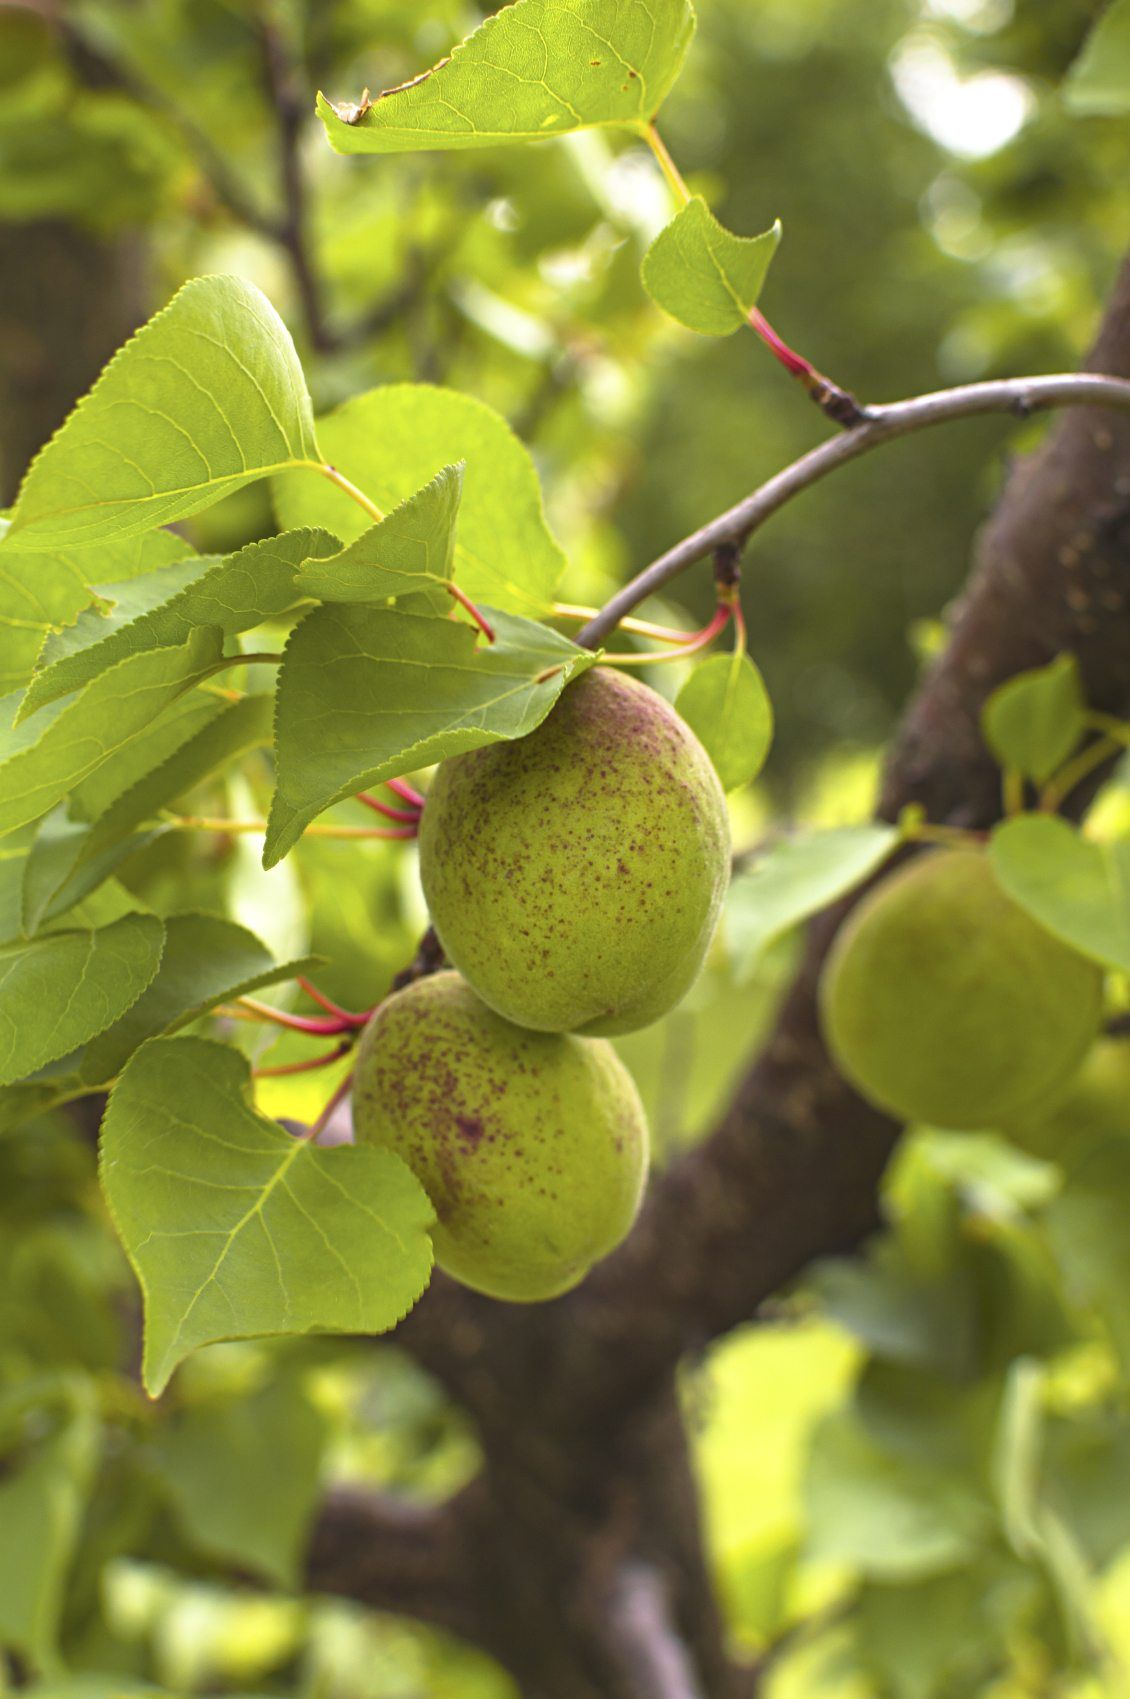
(300, 1023)
(410, 815)
(406, 793)
(307, 1067)
(344, 1015)
(789, 358)
(465, 602)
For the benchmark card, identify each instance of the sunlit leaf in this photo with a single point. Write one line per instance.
(207, 397)
(367, 693)
(1079, 891)
(56, 992)
(536, 69)
(726, 703)
(410, 552)
(1034, 721)
(392, 440)
(704, 275)
(236, 1229)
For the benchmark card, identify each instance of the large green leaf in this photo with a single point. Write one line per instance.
(71, 856)
(367, 693)
(1034, 721)
(726, 703)
(59, 991)
(43, 1495)
(236, 1229)
(207, 397)
(704, 275)
(256, 583)
(69, 740)
(392, 440)
(1099, 80)
(410, 552)
(39, 592)
(219, 1463)
(206, 961)
(1080, 891)
(796, 879)
(536, 69)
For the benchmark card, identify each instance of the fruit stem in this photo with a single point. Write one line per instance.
(332, 1008)
(249, 1008)
(698, 640)
(1074, 771)
(639, 627)
(336, 1097)
(351, 490)
(307, 1067)
(465, 601)
(205, 823)
(409, 815)
(406, 793)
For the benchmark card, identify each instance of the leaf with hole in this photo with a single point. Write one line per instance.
(705, 276)
(535, 69)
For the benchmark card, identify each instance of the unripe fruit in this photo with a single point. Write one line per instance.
(944, 1002)
(531, 1146)
(1095, 1106)
(575, 876)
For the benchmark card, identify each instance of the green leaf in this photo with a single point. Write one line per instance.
(237, 1230)
(71, 857)
(411, 551)
(726, 704)
(796, 879)
(206, 961)
(1086, 1228)
(391, 440)
(41, 1507)
(37, 594)
(1034, 721)
(367, 693)
(172, 731)
(58, 991)
(68, 741)
(207, 397)
(1079, 891)
(887, 1515)
(705, 276)
(536, 69)
(256, 583)
(1099, 80)
(220, 1464)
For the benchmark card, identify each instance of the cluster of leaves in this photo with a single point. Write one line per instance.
(113, 635)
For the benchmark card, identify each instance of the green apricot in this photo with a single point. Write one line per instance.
(942, 1001)
(531, 1146)
(575, 876)
(1094, 1106)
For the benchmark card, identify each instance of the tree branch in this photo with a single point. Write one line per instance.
(1022, 396)
(395, 1555)
(642, 1641)
(293, 232)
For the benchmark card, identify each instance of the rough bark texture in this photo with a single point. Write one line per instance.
(583, 1526)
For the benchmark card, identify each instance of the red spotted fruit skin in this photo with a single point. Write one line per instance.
(531, 1146)
(575, 876)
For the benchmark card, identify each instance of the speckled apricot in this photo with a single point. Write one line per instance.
(531, 1146)
(575, 876)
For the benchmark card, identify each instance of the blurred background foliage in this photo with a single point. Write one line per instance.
(917, 1469)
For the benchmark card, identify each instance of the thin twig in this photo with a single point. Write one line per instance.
(882, 424)
(284, 88)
